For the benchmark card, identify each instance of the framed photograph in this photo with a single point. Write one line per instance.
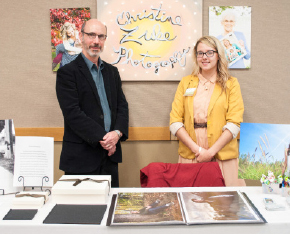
(236, 21)
(65, 29)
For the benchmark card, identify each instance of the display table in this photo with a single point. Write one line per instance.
(278, 221)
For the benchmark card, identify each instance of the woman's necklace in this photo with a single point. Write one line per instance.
(205, 86)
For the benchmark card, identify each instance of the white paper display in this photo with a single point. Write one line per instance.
(33, 161)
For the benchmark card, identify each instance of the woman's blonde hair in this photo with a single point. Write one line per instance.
(65, 28)
(222, 64)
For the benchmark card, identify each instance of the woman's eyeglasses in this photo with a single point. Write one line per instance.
(210, 53)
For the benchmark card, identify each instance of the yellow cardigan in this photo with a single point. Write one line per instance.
(223, 107)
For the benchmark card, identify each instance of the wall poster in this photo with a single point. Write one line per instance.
(151, 40)
(232, 26)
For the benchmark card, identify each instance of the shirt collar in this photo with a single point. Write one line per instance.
(203, 80)
(90, 63)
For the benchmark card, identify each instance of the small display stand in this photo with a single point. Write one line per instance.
(44, 178)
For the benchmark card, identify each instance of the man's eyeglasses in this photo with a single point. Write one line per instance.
(92, 36)
(210, 53)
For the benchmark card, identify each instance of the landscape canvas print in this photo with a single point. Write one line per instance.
(262, 149)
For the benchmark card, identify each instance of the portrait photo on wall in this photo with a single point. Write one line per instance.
(264, 147)
(151, 40)
(234, 24)
(66, 26)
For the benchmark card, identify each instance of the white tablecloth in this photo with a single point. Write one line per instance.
(278, 221)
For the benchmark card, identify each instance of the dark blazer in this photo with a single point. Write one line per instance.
(83, 115)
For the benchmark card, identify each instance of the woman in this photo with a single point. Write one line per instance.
(232, 50)
(207, 111)
(228, 21)
(70, 37)
(70, 47)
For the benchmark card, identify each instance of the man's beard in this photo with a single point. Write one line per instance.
(94, 53)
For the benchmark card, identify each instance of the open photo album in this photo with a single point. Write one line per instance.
(162, 208)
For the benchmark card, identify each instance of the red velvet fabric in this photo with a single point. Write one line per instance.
(158, 174)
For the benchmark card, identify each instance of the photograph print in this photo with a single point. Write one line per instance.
(236, 21)
(66, 26)
(217, 207)
(147, 209)
(7, 155)
(263, 147)
(233, 49)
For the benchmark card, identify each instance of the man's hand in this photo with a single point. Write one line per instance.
(109, 142)
(112, 150)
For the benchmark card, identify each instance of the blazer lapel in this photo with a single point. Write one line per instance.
(192, 84)
(88, 76)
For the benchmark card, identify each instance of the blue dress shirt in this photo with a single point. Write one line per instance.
(99, 81)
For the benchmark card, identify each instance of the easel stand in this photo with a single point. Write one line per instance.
(44, 178)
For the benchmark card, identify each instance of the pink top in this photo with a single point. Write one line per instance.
(200, 106)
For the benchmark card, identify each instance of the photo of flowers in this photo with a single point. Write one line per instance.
(263, 148)
(66, 26)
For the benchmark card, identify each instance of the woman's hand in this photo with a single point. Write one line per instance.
(242, 43)
(205, 155)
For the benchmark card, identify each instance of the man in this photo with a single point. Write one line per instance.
(94, 107)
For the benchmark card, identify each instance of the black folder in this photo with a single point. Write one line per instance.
(76, 214)
(21, 214)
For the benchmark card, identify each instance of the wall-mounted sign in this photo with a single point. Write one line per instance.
(151, 40)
